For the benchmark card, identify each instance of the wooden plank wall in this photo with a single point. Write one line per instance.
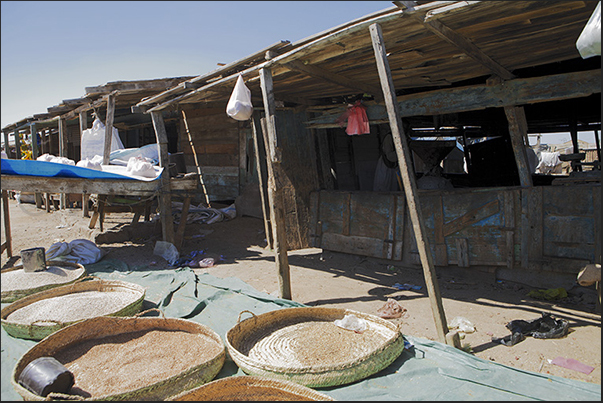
(468, 227)
(299, 174)
(216, 138)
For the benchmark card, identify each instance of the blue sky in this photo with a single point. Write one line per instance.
(52, 50)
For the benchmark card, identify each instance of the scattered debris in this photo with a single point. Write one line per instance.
(550, 294)
(352, 322)
(207, 262)
(406, 286)
(462, 324)
(589, 275)
(545, 327)
(168, 251)
(570, 363)
(391, 310)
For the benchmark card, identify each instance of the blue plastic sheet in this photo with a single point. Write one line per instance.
(52, 169)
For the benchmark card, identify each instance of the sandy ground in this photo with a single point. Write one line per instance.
(324, 278)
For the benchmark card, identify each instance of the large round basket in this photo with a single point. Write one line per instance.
(16, 283)
(38, 315)
(305, 346)
(133, 358)
(251, 388)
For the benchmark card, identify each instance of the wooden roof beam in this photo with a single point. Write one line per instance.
(74, 101)
(132, 86)
(521, 91)
(456, 39)
(59, 109)
(317, 72)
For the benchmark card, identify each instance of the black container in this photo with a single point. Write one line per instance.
(179, 166)
(45, 375)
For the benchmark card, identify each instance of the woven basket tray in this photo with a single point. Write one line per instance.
(73, 271)
(41, 328)
(251, 388)
(303, 345)
(149, 371)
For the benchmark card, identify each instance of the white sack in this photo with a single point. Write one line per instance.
(80, 251)
(141, 167)
(121, 157)
(93, 140)
(239, 105)
(59, 160)
(89, 164)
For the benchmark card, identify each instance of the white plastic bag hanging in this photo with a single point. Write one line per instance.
(239, 105)
(589, 41)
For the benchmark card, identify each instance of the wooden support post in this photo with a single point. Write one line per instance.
(85, 207)
(197, 164)
(35, 153)
(275, 193)
(62, 150)
(409, 181)
(17, 145)
(109, 128)
(518, 130)
(165, 196)
(83, 126)
(260, 156)
(6, 147)
(598, 146)
(102, 200)
(43, 142)
(7, 244)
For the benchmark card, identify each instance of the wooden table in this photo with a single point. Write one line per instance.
(186, 187)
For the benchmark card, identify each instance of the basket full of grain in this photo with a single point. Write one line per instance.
(309, 346)
(129, 358)
(18, 283)
(38, 315)
(251, 388)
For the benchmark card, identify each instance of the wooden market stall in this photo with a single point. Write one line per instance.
(111, 103)
(480, 75)
(485, 74)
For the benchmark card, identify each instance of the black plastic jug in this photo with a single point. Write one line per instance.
(45, 375)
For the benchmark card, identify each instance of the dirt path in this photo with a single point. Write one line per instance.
(340, 280)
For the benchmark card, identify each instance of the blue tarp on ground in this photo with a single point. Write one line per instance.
(428, 371)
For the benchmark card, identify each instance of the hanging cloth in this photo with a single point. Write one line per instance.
(358, 122)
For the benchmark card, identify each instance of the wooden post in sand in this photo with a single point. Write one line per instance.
(165, 197)
(277, 214)
(410, 187)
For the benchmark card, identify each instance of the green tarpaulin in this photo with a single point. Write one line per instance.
(427, 371)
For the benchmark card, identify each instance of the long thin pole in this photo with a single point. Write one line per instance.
(408, 179)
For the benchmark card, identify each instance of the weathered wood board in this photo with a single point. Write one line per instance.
(467, 227)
